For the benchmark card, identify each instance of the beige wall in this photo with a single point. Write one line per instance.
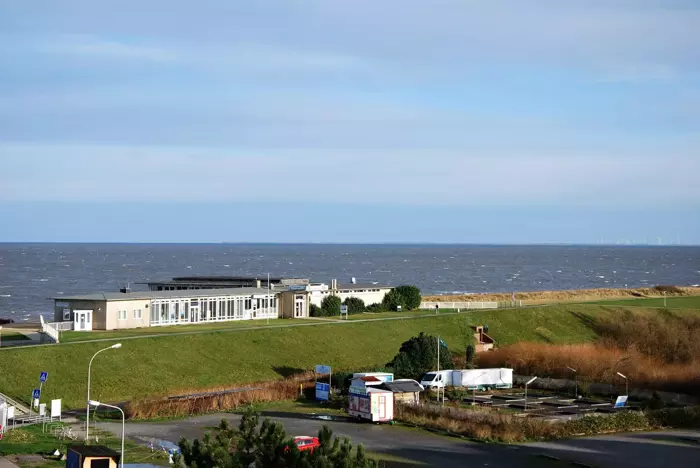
(112, 316)
(87, 461)
(286, 303)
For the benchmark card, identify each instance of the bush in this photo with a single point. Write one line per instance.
(418, 355)
(315, 311)
(411, 296)
(330, 306)
(355, 305)
(375, 308)
(393, 300)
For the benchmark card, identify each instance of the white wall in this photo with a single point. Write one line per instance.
(369, 296)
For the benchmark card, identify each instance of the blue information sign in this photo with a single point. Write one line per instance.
(322, 390)
(36, 393)
(43, 376)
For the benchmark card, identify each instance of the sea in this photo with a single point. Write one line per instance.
(31, 274)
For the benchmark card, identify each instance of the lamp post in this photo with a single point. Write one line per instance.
(526, 384)
(575, 381)
(626, 384)
(96, 404)
(474, 389)
(87, 412)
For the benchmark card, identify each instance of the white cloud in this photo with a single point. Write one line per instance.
(94, 47)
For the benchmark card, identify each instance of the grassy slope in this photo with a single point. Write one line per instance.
(172, 364)
(689, 302)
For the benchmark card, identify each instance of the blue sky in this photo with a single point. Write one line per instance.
(363, 121)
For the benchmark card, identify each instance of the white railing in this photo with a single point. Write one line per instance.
(49, 330)
(467, 305)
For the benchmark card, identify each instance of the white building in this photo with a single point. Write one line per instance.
(369, 293)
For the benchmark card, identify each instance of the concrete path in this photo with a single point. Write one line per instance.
(5, 463)
(644, 450)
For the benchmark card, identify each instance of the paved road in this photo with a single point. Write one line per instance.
(682, 448)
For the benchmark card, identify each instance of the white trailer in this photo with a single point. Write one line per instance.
(480, 379)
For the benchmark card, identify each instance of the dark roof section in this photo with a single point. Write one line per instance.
(94, 451)
(403, 386)
(146, 295)
(215, 279)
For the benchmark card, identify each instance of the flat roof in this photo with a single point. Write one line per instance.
(363, 286)
(136, 295)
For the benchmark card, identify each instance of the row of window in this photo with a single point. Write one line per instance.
(165, 312)
(122, 314)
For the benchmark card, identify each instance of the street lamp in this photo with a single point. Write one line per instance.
(626, 384)
(526, 384)
(87, 412)
(474, 389)
(575, 381)
(96, 404)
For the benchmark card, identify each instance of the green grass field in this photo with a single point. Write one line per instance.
(686, 302)
(12, 335)
(176, 364)
(76, 336)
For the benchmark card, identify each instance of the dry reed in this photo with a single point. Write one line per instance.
(285, 389)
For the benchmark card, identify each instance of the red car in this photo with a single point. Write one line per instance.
(307, 443)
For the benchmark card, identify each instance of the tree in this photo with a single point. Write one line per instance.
(411, 296)
(418, 355)
(330, 306)
(471, 352)
(393, 300)
(355, 305)
(315, 311)
(266, 446)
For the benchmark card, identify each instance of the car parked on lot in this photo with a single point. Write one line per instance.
(307, 444)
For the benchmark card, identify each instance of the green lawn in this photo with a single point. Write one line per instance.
(685, 302)
(177, 364)
(12, 335)
(74, 336)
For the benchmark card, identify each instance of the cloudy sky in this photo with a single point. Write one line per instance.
(317, 120)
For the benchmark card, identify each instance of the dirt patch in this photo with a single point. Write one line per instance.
(535, 297)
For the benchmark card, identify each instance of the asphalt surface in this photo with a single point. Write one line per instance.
(658, 449)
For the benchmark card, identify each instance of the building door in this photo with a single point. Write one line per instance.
(194, 314)
(82, 320)
(382, 407)
(299, 307)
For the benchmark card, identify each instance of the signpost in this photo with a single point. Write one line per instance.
(43, 377)
(36, 394)
(323, 390)
(344, 311)
(621, 401)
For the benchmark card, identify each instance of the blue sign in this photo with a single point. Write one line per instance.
(322, 391)
(621, 401)
(321, 369)
(36, 393)
(296, 287)
(43, 376)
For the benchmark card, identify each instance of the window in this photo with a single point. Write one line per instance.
(248, 304)
(121, 315)
(66, 314)
(138, 314)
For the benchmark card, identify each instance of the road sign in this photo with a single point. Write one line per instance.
(36, 393)
(322, 390)
(43, 376)
(321, 369)
(621, 401)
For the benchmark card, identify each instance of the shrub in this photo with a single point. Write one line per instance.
(418, 355)
(355, 305)
(410, 295)
(330, 306)
(315, 311)
(393, 300)
(376, 307)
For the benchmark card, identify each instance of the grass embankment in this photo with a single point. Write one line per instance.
(178, 364)
(573, 295)
(689, 302)
(77, 336)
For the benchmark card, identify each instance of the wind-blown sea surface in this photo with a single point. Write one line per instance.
(32, 273)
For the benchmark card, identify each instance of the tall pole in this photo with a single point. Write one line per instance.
(269, 299)
(87, 411)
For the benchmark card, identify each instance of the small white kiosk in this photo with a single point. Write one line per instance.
(367, 401)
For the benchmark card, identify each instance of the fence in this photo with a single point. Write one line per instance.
(49, 330)
(470, 305)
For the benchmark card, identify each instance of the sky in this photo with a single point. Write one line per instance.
(497, 121)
